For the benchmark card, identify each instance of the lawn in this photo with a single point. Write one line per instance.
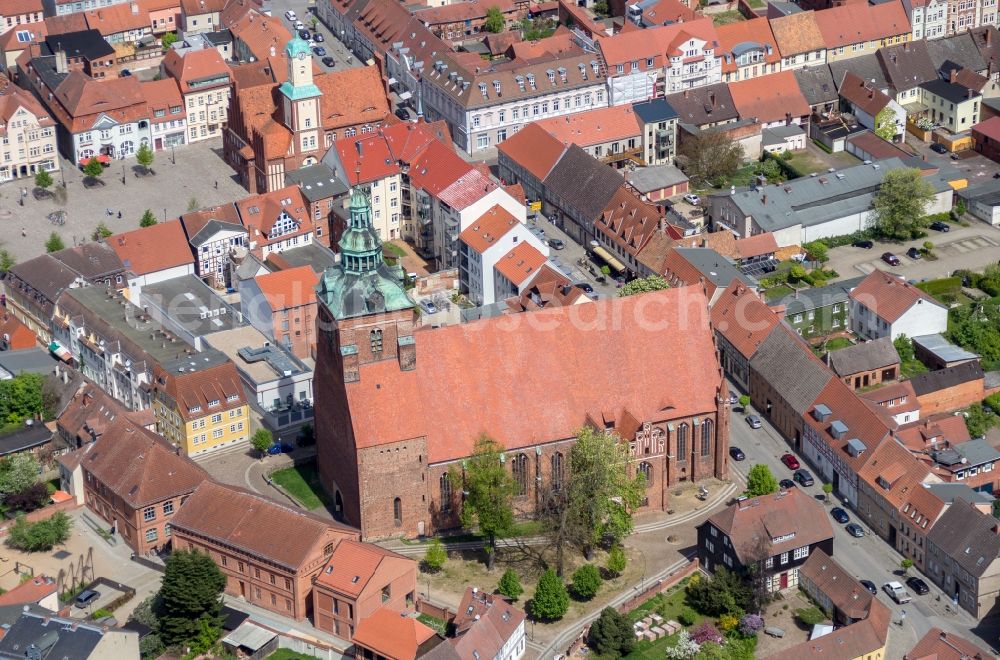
(302, 483)
(838, 343)
(727, 17)
(778, 292)
(433, 622)
(806, 163)
(288, 654)
(394, 250)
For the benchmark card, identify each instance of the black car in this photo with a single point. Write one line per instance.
(329, 61)
(556, 244)
(803, 477)
(737, 454)
(863, 244)
(914, 253)
(583, 286)
(919, 586)
(938, 225)
(403, 114)
(939, 148)
(840, 515)
(304, 35)
(869, 585)
(855, 530)
(317, 37)
(319, 51)
(786, 484)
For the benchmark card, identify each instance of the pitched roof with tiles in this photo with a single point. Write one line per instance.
(437, 167)
(484, 623)
(888, 400)
(741, 37)
(593, 127)
(922, 434)
(586, 184)
(792, 370)
(888, 296)
(862, 94)
(940, 379)
(860, 430)
(260, 212)
(656, 42)
(152, 249)
(117, 18)
(366, 159)
(711, 104)
(989, 128)
(629, 222)
(255, 524)
(844, 591)
(860, 639)
(956, 51)
(864, 356)
(289, 288)
(260, 33)
(860, 22)
(81, 98)
(564, 345)
(742, 318)
(534, 149)
(30, 591)
(17, 7)
(987, 40)
(352, 96)
(392, 634)
(459, 12)
(816, 84)
(663, 12)
(757, 245)
(548, 287)
(488, 229)
(467, 189)
(93, 261)
(520, 263)
(907, 65)
(199, 226)
(940, 645)
(797, 33)
(203, 379)
(968, 536)
(759, 520)
(353, 564)
(893, 472)
(161, 96)
(13, 98)
(195, 69)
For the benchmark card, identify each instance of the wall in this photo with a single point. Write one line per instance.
(924, 318)
(952, 398)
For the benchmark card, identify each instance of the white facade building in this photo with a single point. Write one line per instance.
(884, 305)
(928, 18)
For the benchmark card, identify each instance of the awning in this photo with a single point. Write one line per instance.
(103, 159)
(959, 184)
(60, 351)
(609, 259)
(405, 96)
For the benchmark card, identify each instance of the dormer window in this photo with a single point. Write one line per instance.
(531, 80)
(213, 403)
(552, 76)
(520, 82)
(496, 86)
(562, 74)
(482, 89)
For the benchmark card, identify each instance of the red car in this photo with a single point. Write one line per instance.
(790, 462)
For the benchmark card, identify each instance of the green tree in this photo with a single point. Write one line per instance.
(909, 365)
(435, 557)
(885, 124)
(769, 169)
(43, 180)
(617, 561)
(796, 273)
(744, 401)
(40, 536)
(18, 473)
(928, 246)
(611, 635)
(900, 203)
(510, 585)
(760, 481)
(979, 422)
(723, 593)
(551, 598)
(490, 493)
(144, 156)
(147, 219)
(495, 21)
(101, 231)
(190, 598)
(262, 440)
(193, 204)
(168, 40)
(54, 243)
(710, 158)
(93, 168)
(643, 285)
(7, 260)
(601, 8)
(906, 564)
(586, 582)
(827, 490)
(22, 397)
(817, 251)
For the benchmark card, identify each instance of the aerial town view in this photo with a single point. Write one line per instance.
(499, 329)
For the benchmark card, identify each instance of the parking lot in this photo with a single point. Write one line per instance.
(976, 168)
(339, 56)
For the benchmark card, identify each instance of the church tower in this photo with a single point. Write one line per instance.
(301, 98)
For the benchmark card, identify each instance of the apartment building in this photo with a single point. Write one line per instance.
(856, 29)
(214, 234)
(15, 13)
(369, 163)
(205, 84)
(27, 136)
(800, 41)
(167, 120)
(277, 221)
(282, 305)
(928, 19)
(748, 49)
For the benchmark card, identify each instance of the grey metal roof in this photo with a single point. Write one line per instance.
(647, 179)
(933, 381)
(949, 492)
(958, 51)
(977, 452)
(987, 193)
(966, 535)
(313, 254)
(943, 348)
(317, 182)
(816, 83)
(656, 110)
(808, 299)
(192, 304)
(27, 360)
(585, 183)
(866, 67)
(778, 134)
(715, 267)
(789, 367)
(866, 356)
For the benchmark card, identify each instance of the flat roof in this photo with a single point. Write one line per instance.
(316, 255)
(317, 182)
(195, 362)
(719, 270)
(26, 360)
(257, 365)
(192, 304)
(943, 349)
(647, 179)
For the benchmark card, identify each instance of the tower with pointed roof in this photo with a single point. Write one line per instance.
(301, 98)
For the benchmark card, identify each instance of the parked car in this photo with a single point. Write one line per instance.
(869, 585)
(319, 51)
(840, 515)
(939, 148)
(299, 25)
(402, 113)
(790, 461)
(786, 484)
(305, 35)
(733, 399)
(290, 15)
(329, 61)
(428, 306)
(896, 592)
(919, 586)
(737, 454)
(855, 530)
(939, 225)
(890, 259)
(804, 477)
(692, 199)
(280, 448)
(124, 73)
(753, 421)
(556, 243)
(318, 38)
(864, 244)
(585, 287)
(86, 597)
(914, 253)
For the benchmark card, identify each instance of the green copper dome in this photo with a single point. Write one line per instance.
(298, 46)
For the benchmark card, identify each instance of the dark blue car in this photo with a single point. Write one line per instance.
(280, 448)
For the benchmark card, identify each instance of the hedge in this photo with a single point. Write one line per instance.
(943, 286)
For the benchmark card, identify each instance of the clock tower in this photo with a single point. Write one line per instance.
(301, 98)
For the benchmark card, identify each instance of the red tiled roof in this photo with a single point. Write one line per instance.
(260, 33)
(989, 128)
(162, 95)
(194, 66)
(289, 288)
(392, 634)
(918, 435)
(629, 222)
(29, 591)
(593, 127)
(467, 189)
(437, 167)
(664, 12)
(534, 149)
(862, 94)
(756, 245)
(151, 249)
(117, 18)
(352, 96)
(81, 98)
(484, 624)
(771, 98)
(893, 472)
(367, 158)
(857, 640)
(756, 31)
(859, 21)
(862, 423)
(843, 589)
(940, 645)
(465, 10)
(353, 565)
(193, 390)
(520, 263)
(488, 229)
(258, 214)
(742, 318)
(578, 345)
(657, 42)
(888, 296)
(18, 7)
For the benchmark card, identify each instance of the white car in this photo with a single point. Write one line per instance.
(290, 15)
(896, 591)
(692, 199)
(299, 25)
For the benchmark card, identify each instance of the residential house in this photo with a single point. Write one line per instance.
(971, 462)
(928, 18)
(865, 364)
(741, 322)
(199, 403)
(152, 254)
(548, 288)
(488, 626)
(41, 590)
(515, 270)
(270, 553)
(816, 311)
(658, 124)
(704, 107)
(167, 120)
(958, 48)
(799, 39)
(906, 67)
(577, 190)
(276, 221)
(282, 305)
(863, 100)
(854, 29)
(396, 636)
(657, 183)
(527, 157)
(95, 263)
(985, 39)
(899, 401)
(945, 646)
(134, 481)
(85, 49)
(199, 16)
(612, 135)
(73, 639)
(703, 268)
(952, 105)
(748, 49)
(771, 535)
(963, 550)
(122, 24)
(486, 243)
(324, 192)
(16, 13)
(358, 580)
(948, 390)
(628, 230)
(15, 335)
(213, 234)
(88, 415)
(28, 133)
(31, 289)
(772, 101)
(650, 13)
(818, 88)
(834, 589)
(883, 305)
(205, 84)
(457, 22)
(369, 162)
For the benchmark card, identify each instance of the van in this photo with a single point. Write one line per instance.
(86, 597)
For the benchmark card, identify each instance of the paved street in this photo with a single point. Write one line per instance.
(567, 258)
(334, 48)
(868, 558)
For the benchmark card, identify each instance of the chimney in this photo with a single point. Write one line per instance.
(989, 36)
(953, 75)
(61, 65)
(135, 8)
(711, 98)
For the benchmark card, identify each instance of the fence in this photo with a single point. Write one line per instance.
(436, 611)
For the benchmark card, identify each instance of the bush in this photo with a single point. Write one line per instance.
(30, 499)
(611, 634)
(686, 618)
(100, 614)
(39, 536)
(586, 582)
(551, 598)
(723, 593)
(993, 401)
(435, 557)
(616, 560)
(728, 622)
(809, 616)
(510, 585)
(751, 624)
(706, 632)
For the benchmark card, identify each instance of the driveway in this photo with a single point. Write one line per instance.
(976, 168)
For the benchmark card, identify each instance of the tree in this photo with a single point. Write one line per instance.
(22, 397)
(40, 536)
(489, 502)
(900, 203)
(760, 481)
(586, 582)
(817, 251)
(101, 231)
(885, 124)
(495, 21)
(510, 585)
(168, 40)
(611, 634)
(7, 260)
(685, 648)
(144, 156)
(147, 219)
(744, 401)
(978, 422)
(435, 557)
(827, 490)
(770, 170)
(193, 204)
(724, 593)
(616, 560)
(909, 365)
(93, 168)
(18, 473)
(928, 246)
(706, 632)
(262, 440)
(710, 157)
(906, 564)
(55, 243)
(551, 598)
(43, 180)
(190, 598)
(34, 497)
(643, 285)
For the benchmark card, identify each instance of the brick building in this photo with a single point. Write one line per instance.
(387, 466)
(949, 389)
(865, 364)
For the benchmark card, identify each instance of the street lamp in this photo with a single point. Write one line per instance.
(173, 155)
